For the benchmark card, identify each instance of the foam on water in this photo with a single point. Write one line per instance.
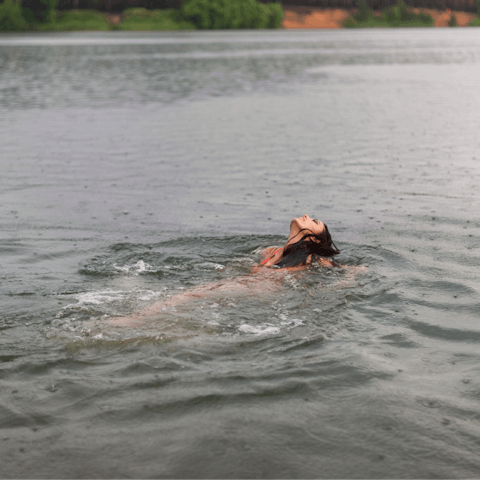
(265, 329)
(210, 266)
(105, 300)
(137, 268)
(294, 322)
(143, 267)
(96, 298)
(271, 328)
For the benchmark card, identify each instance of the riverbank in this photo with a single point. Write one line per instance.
(294, 18)
(194, 15)
(305, 17)
(138, 19)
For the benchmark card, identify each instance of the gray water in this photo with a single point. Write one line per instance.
(135, 165)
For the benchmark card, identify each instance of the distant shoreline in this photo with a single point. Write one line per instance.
(328, 18)
(314, 18)
(142, 19)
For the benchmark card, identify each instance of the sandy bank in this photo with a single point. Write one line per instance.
(304, 17)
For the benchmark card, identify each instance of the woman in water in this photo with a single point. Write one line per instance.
(309, 242)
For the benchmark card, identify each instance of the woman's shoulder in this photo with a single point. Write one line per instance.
(269, 251)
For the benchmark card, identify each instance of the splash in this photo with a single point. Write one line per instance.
(137, 268)
(265, 329)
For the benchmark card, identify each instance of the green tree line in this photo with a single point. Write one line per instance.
(396, 16)
(41, 15)
(193, 14)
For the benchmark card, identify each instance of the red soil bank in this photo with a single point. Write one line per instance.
(334, 18)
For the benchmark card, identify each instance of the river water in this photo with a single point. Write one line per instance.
(137, 165)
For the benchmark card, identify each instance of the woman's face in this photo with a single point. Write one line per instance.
(304, 223)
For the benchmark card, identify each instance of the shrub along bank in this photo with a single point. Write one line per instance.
(194, 14)
(143, 19)
(398, 15)
(226, 14)
(394, 16)
(476, 22)
(11, 18)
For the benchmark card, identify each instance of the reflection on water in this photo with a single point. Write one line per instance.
(138, 165)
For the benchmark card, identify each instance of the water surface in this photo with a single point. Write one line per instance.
(137, 165)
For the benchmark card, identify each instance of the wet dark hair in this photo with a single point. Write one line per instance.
(320, 245)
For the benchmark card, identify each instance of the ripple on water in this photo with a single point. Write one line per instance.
(158, 173)
(316, 295)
